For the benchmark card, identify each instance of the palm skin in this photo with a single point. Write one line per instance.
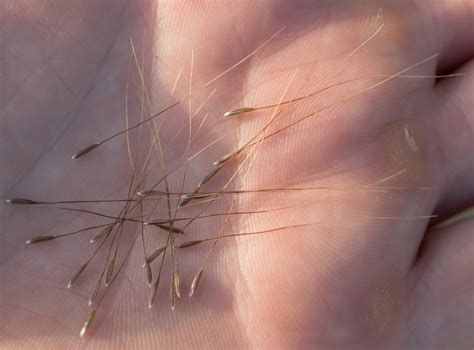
(356, 281)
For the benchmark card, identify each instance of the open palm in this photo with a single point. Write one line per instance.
(367, 274)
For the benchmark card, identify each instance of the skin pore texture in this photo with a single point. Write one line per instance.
(369, 274)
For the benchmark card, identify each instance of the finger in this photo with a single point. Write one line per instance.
(452, 27)
(444, 287)
(451, 24)
(453, 118)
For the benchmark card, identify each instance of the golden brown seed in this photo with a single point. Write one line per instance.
(197, 195)
(176, 281)
(88, 322)
(86, 150)
(149, 275)
(153, 290)
(158, 222)
(172, 294)
(205, 180)
(186, 200)
(40, 239)
(101, 233)
(238, 111)
(96, 290)
(225, 158)
(150, 193)
(195, 283)
(110, 270)
(77, 274)
(156, 254)
(168, 228)
(21, 201)
(188, 243)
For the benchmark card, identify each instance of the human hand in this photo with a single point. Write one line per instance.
(370, 275)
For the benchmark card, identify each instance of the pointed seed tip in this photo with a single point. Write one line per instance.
(195, 282)
(238, 111)
(40, 239)
(20, 201)
(189, 243)
(87, 323)
(84, 151)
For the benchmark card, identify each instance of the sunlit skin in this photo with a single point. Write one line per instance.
(356, 281)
